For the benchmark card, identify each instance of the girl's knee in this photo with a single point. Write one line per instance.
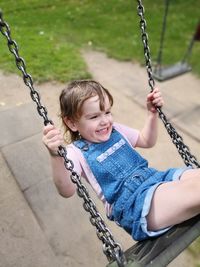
(193, 175)
(191, 189)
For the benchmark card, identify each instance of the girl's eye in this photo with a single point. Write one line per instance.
(108, 112)
(93, 117)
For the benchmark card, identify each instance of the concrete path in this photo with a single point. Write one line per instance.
(38, 227)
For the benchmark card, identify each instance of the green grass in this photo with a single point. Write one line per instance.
(194, 249)
(51, 34)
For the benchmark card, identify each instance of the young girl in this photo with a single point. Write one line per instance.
(144, 201)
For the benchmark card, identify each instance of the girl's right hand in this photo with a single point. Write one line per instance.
(52, 138)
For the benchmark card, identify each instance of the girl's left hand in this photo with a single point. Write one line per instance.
(154, 100)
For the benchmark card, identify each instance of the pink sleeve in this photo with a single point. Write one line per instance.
(83, 169)
(129, 133)
(75, 158)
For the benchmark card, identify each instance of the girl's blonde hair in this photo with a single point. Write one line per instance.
(72, 99)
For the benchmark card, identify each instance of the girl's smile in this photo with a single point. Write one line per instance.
(95, 125)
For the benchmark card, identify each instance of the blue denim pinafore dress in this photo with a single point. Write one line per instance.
(124, 177)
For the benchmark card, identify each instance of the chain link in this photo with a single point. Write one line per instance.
(183, 150)
(111, 249)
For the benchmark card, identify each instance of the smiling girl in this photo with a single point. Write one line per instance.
(104, 153)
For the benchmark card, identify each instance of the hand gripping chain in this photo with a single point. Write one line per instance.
(177, 140)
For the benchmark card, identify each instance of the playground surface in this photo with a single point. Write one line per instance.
(40, 228)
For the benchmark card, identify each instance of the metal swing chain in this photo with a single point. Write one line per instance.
(164, 26)
(111, 249)
(183, 150)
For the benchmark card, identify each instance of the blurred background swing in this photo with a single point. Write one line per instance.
(161, 72)
(153, 252)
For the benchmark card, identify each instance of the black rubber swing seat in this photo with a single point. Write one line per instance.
(159, 252)
(165, 73)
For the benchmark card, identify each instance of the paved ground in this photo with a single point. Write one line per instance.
(38, 227)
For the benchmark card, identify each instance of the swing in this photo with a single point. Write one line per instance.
(161, 73)
(152, 252)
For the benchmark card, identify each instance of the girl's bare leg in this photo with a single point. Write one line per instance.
(175, 202)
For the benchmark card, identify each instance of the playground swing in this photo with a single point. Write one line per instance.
(162, 73)
(152, 252)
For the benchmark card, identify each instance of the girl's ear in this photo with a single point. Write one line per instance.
(71, 124)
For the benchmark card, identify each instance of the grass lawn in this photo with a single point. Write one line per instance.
(51, 34)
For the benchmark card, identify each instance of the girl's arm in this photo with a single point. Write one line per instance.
(52, 138)
(148, 135)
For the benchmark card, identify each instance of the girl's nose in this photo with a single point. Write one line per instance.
(104, 119)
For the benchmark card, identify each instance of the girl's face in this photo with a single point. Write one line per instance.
(94, 125)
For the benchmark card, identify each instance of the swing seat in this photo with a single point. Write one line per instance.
(165, 73)
(160, 251)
